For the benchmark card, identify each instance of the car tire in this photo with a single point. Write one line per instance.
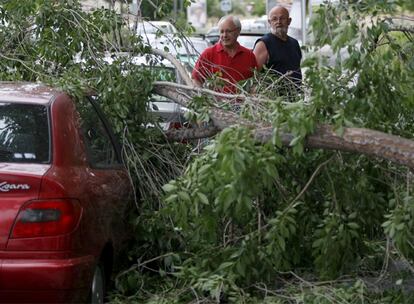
(98, 286)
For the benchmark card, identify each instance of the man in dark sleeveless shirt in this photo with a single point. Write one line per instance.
(278, 51)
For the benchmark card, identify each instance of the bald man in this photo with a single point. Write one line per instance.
(278, 51)
(226, 59)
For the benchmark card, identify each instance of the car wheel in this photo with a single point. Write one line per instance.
(98, 285)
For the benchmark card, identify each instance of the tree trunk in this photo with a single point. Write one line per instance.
(356, 140)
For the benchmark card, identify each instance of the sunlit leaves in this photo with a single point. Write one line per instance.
(399, 224)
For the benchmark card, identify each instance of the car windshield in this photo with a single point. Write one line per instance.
(24, 133)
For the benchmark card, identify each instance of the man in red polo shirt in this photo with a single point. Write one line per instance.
(227, 59)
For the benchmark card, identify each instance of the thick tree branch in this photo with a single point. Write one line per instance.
(196, 91)
(356, 140)
(194, 133)
(401, 28)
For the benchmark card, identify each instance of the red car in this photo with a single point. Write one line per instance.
(63, 194)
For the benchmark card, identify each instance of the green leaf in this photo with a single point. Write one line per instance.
(281, 242)
(169, 187)
(392, 231)
(353, 225)
(184, 196)
(241, 269)
(203, 198)
(340, 130)
(171, 198)
(386, 224)
(317, 243)
(400, 226)
(225, 265)
(295, 140)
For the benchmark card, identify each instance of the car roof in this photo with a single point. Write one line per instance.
(28, 92)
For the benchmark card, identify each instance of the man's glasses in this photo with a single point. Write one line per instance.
(277, 19)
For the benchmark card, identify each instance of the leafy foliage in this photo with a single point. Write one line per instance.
(244, 216)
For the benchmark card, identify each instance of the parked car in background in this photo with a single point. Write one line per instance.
(253, 25)
(169, 115)
(213, 35)
(154, 31)
(63, 194)
(196, 44)
(166, 114)
(154, 27)
(183, 48)
(261, 24)
(248, 39)
(189, 50)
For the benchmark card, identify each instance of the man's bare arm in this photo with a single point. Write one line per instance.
(262, 56)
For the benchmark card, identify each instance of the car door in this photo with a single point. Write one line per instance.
(108, 184)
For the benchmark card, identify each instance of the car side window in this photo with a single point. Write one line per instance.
(100, 146)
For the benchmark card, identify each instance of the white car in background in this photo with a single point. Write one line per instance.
(164, 36)
(153, 32)
(248, 39)
(155, 27)
(165, 113)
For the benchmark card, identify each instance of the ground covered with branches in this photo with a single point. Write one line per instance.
(232, 219)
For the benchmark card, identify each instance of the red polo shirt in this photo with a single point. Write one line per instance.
(215, 60)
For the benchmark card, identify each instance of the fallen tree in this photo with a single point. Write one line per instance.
(259, 218)
(286, 198)
(357, 140)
